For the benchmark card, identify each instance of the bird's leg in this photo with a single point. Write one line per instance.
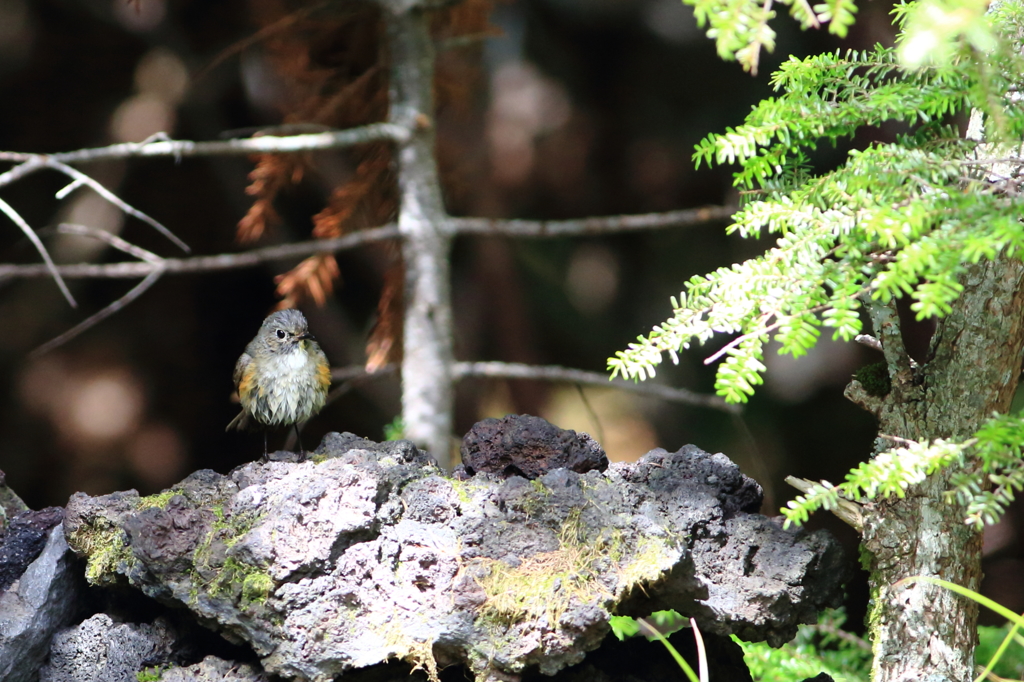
(298, 437)
(266, 456)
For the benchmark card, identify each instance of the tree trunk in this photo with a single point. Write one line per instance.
(427, 383)
(921, 631)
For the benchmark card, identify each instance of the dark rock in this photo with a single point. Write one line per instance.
(522, 445)
(10, 504)
(46, 597)
(101, 650)
(367, 553)
(23, 540)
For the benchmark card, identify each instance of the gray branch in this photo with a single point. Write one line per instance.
(585, 226)
(103, 314)
(48, 266)
(347, 376)
(472, 226)
(512, 370)
(264, 144)
(224, 261)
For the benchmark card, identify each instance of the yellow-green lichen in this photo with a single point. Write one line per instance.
(159, 500)
(152, 673)
(256, 587)
(546, 584)
(251, 585)
(103, 544)
(417, 652)
(464, 490)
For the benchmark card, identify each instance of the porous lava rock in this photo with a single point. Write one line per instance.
(528, 446)
(367, 552)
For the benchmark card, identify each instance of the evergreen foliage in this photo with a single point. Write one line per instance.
(822, 648)
(895, 219)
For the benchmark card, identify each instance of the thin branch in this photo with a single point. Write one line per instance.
(869, 341)
(265, 144)
(29, 165)
(511, 370)
(80, 177)
(764, 331)
(230, 261)
(587, 226)
(224, 261)
(846, 510)
(259, 36)
(49, 266)
(553, 373)
(93, 320)
(111, 239)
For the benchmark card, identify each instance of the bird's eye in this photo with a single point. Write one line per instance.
(281, 333)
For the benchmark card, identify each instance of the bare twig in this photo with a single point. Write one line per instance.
(230, 261)
(80, 177)
(350, 376)
(512, 370)
(93, 320)
(112, 239)
(224, 261)
(51, 269)
(265, 144)
(585, 226)
(846, 510)
(869, 341)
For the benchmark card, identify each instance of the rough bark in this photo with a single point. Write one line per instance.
(923, 632)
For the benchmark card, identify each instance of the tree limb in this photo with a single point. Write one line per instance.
(95, 319)
(81, 178)
(348, 376)
(512, 370)
(48, 267)
(585, 226)
(471, 226)
(224, 261)
(264, 144)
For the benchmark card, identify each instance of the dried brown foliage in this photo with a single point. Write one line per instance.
(332, 57)
(272, 173)
(365, 196)
(312, 278)
(384, 345)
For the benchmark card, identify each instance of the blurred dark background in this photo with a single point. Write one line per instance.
(579, 108)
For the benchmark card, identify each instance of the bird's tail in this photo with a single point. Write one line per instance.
(240, 422)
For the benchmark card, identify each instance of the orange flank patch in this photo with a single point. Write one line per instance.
(245, 385)
(324, 375)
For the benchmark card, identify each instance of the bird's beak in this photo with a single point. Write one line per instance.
(305, 335)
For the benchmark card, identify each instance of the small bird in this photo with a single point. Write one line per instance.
(282, 377)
